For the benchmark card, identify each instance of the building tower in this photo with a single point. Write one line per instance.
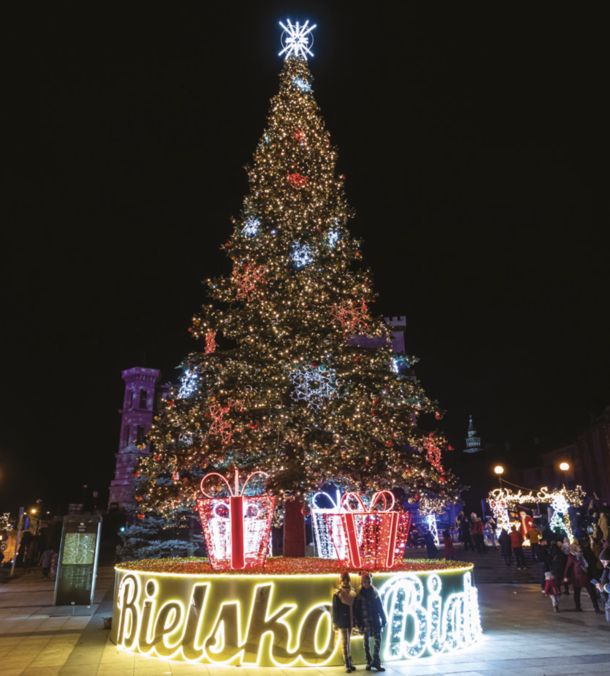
(143, 396)
(473, 443)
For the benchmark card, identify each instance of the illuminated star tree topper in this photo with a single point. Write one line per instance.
(296, 39)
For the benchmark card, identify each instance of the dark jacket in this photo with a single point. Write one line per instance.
(574, 573)
(368, 610)
(505, 544)
(557, 562)
(342, 613)
(605, 580)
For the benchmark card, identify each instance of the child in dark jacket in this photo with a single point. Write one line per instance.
(343, 617)
(370, 618)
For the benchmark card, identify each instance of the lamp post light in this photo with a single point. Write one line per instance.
(564, 467)
(499, 470)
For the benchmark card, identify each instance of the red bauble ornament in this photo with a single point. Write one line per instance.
(438, 416)
(139, 498)
(157, 458)
(449, 448)
(357, 358)
(136, 475)
(140, 516)
(389, 444)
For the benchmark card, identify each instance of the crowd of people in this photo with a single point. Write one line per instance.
(576, 564)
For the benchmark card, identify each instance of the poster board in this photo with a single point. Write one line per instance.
(78, 554)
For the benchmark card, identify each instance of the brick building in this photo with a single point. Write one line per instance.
(142, 400)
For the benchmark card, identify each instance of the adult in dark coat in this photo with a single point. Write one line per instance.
(431, 549)
(506, 549)
(592, 572)
(465, 533)
(576, 574)
(557, 561)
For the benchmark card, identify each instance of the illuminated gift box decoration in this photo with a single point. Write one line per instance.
(325, 538)
(376, 537)
(236, 528)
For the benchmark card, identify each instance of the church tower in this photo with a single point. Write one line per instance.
(473, 443)
(143, 396)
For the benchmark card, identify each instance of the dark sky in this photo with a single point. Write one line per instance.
(475, 144)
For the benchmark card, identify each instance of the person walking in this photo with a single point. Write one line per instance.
(478, 536)
(604, 581)
(592, 571)
(505, 546)
(557, 561)
(576, 573)
(516, 541)
(552, 589)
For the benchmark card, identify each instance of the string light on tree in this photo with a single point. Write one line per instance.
(251, 226)
(302, 84)
(188, 384)
(332, 238)
(353, 316)
(296, 39)
(210, 342)
(313, 385)
(302, 255)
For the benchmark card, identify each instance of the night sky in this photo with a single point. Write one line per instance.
(475, 145)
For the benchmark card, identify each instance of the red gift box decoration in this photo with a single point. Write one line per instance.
(236, 529)
(376, 537)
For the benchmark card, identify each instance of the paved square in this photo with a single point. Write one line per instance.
(522, 636)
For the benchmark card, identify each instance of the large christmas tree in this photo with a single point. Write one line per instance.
(293, 393)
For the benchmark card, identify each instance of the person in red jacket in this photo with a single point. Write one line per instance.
(516, 541)
(448, 542)
(478, 535)
(576, 573)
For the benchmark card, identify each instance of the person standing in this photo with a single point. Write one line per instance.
(465, 532)
(505, 546)
(431, 550)
(516, 541)
(343, 617)
(478, 536)
(370, 618)
(45, 561)
(448, 542)
(576, 573)
(533, 535)
(491, 530)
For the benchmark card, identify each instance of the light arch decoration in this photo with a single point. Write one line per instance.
(502, 499)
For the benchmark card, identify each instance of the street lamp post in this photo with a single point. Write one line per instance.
(564, 467)
(499, 471)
